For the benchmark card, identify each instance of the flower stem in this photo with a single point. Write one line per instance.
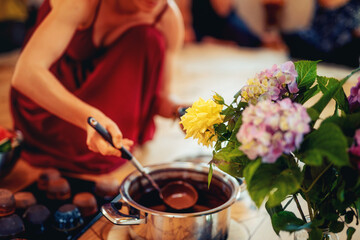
(309, 206)
(299, 207)
(317, 178)
(229, 106)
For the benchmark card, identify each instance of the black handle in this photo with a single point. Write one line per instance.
(182, 111)
(106, 135)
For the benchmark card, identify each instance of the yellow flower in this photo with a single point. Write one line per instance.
(199, 121)
(218, 99)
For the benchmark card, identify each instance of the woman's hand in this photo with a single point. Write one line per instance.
(97, 143)
(180, 111)
(189, 34)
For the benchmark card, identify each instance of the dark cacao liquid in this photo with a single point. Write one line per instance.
(179, 200)
(209, 198)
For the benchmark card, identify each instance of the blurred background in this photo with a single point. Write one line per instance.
(311, 29)
(226, 43)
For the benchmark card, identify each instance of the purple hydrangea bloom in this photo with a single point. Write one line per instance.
(270, 129)
(271, 84)
(289, 71)
(354, 98)
(354, 150)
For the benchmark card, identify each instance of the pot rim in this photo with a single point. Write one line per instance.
(201, 167)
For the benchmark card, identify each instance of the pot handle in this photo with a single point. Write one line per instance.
(112, 211)
(242, 188)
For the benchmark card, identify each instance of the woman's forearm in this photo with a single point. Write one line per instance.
(222, 7)
(41, 86)
(32, 76)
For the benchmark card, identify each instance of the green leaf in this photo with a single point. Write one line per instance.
(272, 210)
(242, 105)
(348, 123)
(349, 232)
(231, 160)
(325, 99)
(237, 94)
(250, 169)
(5, 146)
(233, 168)
(313, 114)
(228, 153)
(336, 226)
(236, 129)
(341, 193)
(287, 221)
(326, 181)
(229, 113)
(326, 84)
(217, 146)
(315, 234)
(349, 216)
(313, 157)
(231, 124)
(210, 174)
(306, 73)
(272, 182)
(350, 176)
(328, 141)
(306, 95)
(221, 128)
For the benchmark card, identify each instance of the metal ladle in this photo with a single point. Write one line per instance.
(178, 195)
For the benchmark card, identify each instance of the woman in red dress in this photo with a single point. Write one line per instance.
(109, 59)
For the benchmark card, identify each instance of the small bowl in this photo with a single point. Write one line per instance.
(9, 158)
(67, 218)
(11, 226)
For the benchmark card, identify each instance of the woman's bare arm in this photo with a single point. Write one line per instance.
(33, 78)
(172, 26)
(185, 9)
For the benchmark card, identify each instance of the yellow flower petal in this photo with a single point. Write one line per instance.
(200, 119)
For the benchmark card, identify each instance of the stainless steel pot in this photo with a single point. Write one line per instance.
(150, 224)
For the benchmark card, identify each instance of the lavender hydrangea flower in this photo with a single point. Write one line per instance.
(270, 129)
(354, 150)
(271, 84)
(354, 98)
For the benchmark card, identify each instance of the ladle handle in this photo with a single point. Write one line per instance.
(124, 153)
(106, 135)
(182, 111)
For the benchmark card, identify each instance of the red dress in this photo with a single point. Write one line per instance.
(123, 80)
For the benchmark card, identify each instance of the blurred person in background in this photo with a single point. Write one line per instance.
(16, 17)
(13, 17)
(268, 18)
(333, 34)
(216, 19)
(108, 59)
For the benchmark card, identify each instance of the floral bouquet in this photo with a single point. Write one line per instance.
(286, 151)
(8, 140)
(10, 148)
